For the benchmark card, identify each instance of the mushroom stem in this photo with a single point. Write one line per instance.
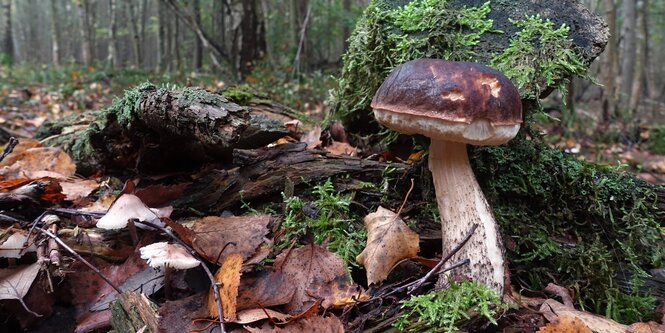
(462, 204)
(168, 290)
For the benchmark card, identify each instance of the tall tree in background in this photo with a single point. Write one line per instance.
(609, 102)
(161, 36)
(198, 46)
(8, 43)
(629, 52)
(84, 29)
(136, 36)
(113, 36)
(55, 34)
(641, 54)
(252, 46)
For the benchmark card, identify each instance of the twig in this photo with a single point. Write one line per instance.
(215, 288)
(70, 250)
(406, 197)
(9, 147)
(418, 283)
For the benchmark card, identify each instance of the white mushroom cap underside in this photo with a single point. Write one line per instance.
(480, 132)
(163, 254)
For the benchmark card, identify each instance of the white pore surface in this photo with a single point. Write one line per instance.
(480, 132)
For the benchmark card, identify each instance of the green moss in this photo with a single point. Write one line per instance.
(571, 222)
(327, 220)
(539, 56)
(241, 94)
(656, 140)
(445, 310)
(124, 109)
(386, 37)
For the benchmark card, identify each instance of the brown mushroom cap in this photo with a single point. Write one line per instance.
(453, 101)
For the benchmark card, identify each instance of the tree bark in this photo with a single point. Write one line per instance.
(611, 64)
(113, 39)
(8, 42)
(55, 35)
(136, 36)
(252, 36)
(198, 46)
(641, 57)
(629, 50)
(86, 46)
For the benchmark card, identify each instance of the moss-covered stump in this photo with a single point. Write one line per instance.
(580, 225)
(155, 130)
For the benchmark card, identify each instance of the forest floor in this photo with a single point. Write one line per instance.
(33, 97)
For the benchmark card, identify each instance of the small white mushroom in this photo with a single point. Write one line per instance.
(127, 207)
(168, 256)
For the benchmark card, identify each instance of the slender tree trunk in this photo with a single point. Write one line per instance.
(55, 35)
(637, 87)
(346, 28)
(253, 41)
(198, 46)
(611, 64)
(86, 47)
(113, 38)
(175, 44)
(161, 35)
(629, 54)
(8, 43)
(136, 39)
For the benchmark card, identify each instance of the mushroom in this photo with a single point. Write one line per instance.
(168, 256)
(455, 104)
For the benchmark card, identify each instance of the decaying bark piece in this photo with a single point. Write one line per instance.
(155, 130)
(265, 171)
(133, 312)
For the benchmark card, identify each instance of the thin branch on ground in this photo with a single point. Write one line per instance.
(9, 147)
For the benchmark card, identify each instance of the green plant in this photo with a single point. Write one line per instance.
(656, 141)
(446, 310)
(326, 219)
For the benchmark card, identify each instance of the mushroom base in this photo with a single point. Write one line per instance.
(461, 205)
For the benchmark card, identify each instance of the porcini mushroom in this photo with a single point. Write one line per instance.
(455, 104)
(168, 256)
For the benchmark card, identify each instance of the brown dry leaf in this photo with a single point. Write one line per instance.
(341, 149)
(554, 311)
(265, 289)
(228, 279)
(317, 273)
(77, 188)
(38, 162)
(317, 324)
(254, 315)
(389, 240)
(566, 324)
(15, 282)
(217, 237)
(312, 138)
(160, 195)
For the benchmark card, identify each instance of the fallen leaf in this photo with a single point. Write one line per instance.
(319, 324)
(553, 311)
(389, 240)
(264, 289)
(160, 195)
(15, 282)
(254, 315)
(33, 162)
(317, 273)
(341, 149)
(217, 237)
(77, 188)
(228, 280)
(566, 324)
(12, 243)
(312, 138)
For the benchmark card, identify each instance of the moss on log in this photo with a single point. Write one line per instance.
(156, 130)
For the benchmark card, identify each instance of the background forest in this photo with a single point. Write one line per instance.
(292, 47)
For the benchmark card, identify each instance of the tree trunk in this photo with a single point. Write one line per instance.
(113, 39)
(198, 46)
(161, 36)
(8, 43)
(346, 28)
(252, 36)
(611, 64)
(136, 37)
(86, 46)
(629, 52)
(638, 81)
(55, 35)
